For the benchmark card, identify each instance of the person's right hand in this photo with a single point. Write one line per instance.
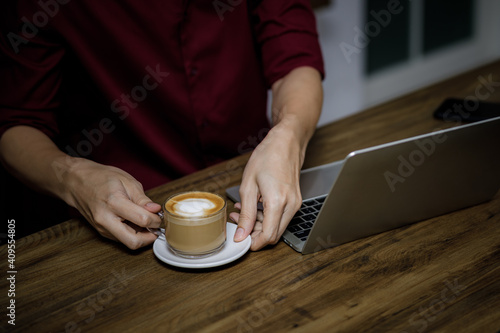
(109, 198)
(112, 201)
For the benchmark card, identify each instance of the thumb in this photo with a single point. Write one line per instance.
(152, 207)
(139, 198)
(247, 216)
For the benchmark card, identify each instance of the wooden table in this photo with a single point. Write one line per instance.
(440, 274)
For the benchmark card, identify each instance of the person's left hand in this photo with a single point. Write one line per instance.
(271, 177)
(272, 173)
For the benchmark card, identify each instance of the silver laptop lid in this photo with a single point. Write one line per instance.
(406, 181)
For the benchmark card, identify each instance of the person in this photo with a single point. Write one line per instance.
(103, 101)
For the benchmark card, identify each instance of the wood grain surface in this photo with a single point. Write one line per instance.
(441, 274)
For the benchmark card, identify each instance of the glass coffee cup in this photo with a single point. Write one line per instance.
(195, 223)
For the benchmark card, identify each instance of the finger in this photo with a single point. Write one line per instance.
(257, 228)
(248, 212)
(260, 216)
(273, 214)
(101, 229)
(276, 218)
(111, 226)
(99, 220)
(128, 210)
(130, 234)
(152, 207)
(137, 195)
(234, 216)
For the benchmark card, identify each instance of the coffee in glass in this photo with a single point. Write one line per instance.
(195, 223)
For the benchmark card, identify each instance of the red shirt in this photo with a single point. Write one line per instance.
(159, 88)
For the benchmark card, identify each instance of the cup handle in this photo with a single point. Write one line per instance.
(160, 232)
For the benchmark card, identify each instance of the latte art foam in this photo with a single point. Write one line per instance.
(193, 207)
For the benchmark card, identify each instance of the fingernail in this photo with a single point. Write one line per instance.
(240, 232)
(151, 204)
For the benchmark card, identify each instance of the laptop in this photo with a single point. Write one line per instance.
(391, 185)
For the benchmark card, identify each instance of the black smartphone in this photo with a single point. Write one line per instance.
(466, 110)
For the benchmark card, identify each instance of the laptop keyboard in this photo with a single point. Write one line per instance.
(304, 219)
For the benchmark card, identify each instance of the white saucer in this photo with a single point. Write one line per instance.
(230, 252)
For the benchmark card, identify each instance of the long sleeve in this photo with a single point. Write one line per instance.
(286, 33)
